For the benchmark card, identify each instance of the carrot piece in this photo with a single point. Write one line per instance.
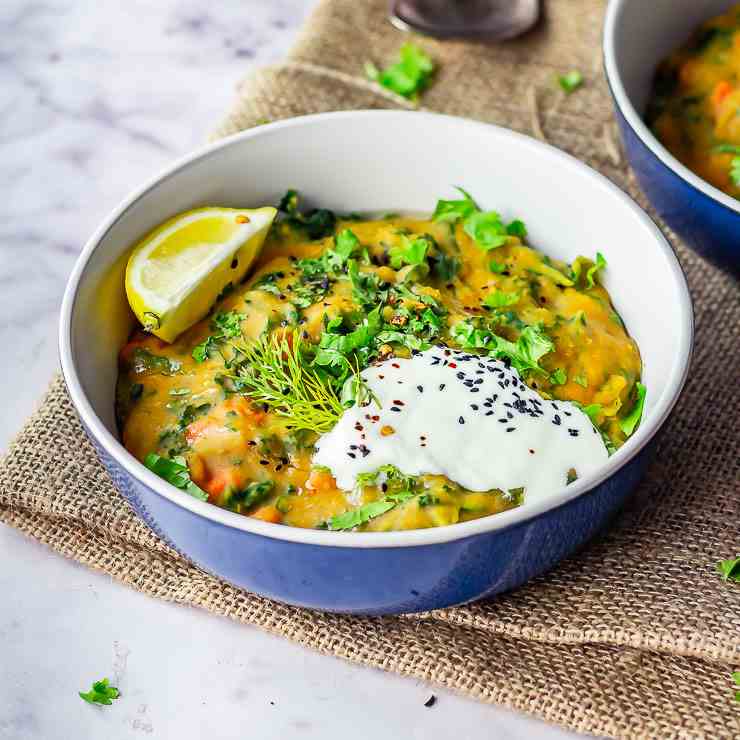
(268, 514)
(321, 480)
(721, 90)
(197, 429)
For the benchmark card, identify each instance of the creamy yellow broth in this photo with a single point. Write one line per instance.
(172, 405)
(695, 104)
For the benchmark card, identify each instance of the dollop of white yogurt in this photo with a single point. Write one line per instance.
(467, 417)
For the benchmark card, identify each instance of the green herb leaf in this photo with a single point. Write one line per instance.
(227, 325)
(500, 299)
(409, 252)
(255, 493)
(176, 472)
(486, 229)
(517, 228)
(729, 569)
(592, 411)
(408, 77)
(361, 515)
(496, 267)
(630, 422)
(316, 223)
(559, 377)
(571, 81)
(524, 354)
(445, 267)
(581, 380)
(736, 679)
(100, 693)
(586, 280)
(555, 275)
(454, 210)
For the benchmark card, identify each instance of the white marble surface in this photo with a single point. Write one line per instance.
(95, 97)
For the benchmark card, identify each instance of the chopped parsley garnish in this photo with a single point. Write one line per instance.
(734, 162)
(570, 81)
(409, 252)
(316, 223)
(736, 679)
(176, 472)
(517, 228)
(581, 379)
(485, 228)
(496, 267)
(559, 377)
(226, 325)
(729, 569)
(398, 488)
(100, 693)
(409, 76)
(629, 423)
(584, 271)
(524, 354)
(500, 299)
(145, 361)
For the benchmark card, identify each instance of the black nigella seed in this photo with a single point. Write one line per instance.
(474, 406)
(395, 408)
(489, 413)
(479, 381)
(384, 487)
(509, 415)
(352, 455)
(461, 420)
(556, 420)
(503, 421)
(510, 429)
(441, 386)
(353, 447)
(475, 390)
(567, 413)
(573, 432)
(461, 375)
(420, 388)
(264, 462)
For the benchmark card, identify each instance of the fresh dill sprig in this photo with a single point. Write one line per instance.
(274, 370)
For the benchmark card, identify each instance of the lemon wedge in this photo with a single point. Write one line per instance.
(176, 272)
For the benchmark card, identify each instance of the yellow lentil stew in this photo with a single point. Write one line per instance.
(336, 294)
(694, 108)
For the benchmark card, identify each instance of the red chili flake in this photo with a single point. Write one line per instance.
(358, 426)
(452, 364)
(381, 376)
(395, 364)
(531, 452)
(399, 403)
(375, 418)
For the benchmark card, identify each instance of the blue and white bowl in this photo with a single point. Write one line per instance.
(638, 35)
(381, 161)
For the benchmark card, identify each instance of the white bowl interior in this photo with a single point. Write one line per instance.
(646, 33)
(376, 161)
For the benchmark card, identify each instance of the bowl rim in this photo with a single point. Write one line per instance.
(408, 538)
(623, 103)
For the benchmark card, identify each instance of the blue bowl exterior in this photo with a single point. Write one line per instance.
(708, 226)
(377, 581)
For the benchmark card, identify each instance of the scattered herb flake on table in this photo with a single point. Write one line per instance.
(570, 81)
(407, 77)
(100, 693)
(729, 569)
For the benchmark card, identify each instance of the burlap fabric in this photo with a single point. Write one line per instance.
(634, 637)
